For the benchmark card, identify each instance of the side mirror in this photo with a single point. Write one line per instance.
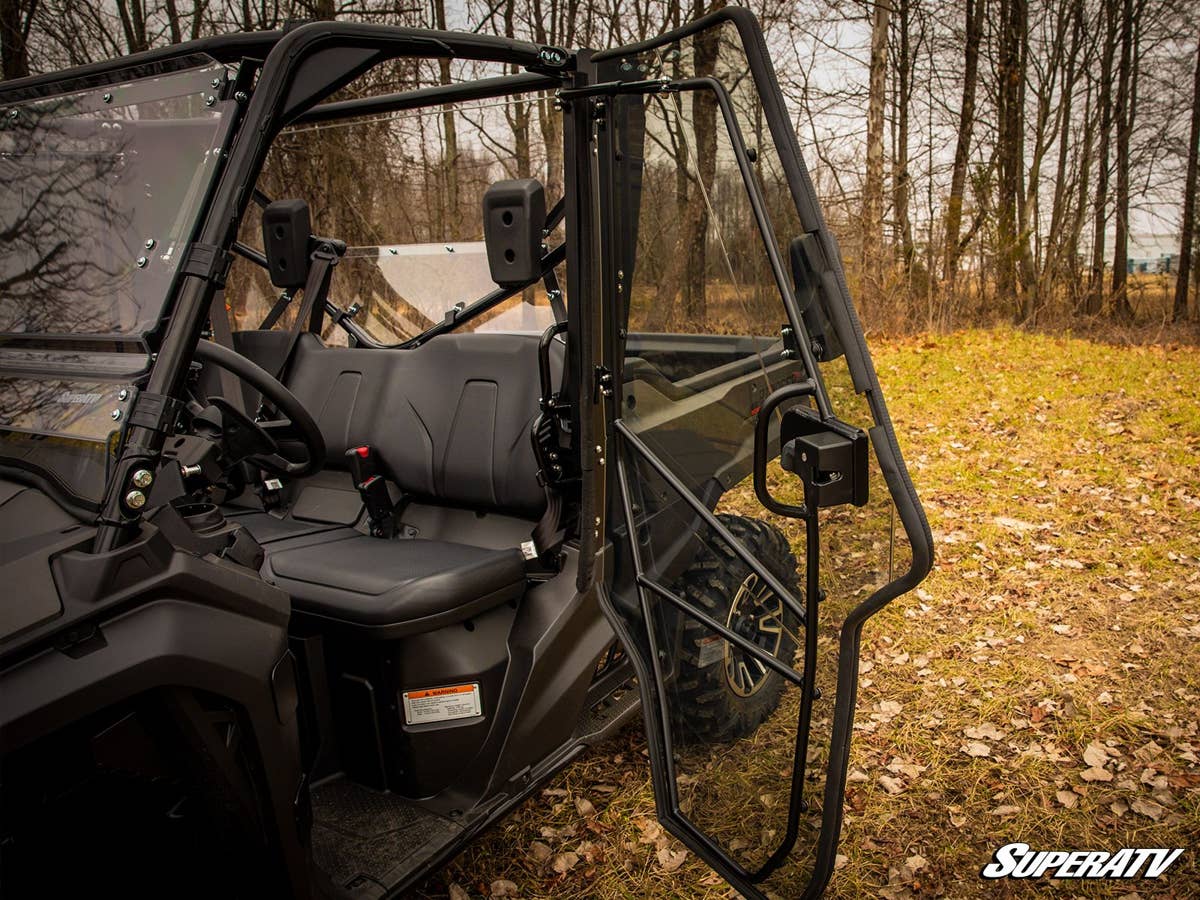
(287, 227)
(808, 262)
(514, 214)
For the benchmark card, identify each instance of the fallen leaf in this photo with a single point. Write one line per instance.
(652, 832)
(1147, 751)
(1069, 799)
(502, 887)
(889, 708)
(1095, 754)
(1148, 808)
(540, 852)
(457, 892)
(1013, 524)
(1007, 810)
(670, 859)
(1095, 773)
(584, 807)
(565, 862)
(891, 785)
(985, 730)
(977, 748)
(916, 862)
(910, 770)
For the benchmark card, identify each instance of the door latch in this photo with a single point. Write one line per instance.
(829, 456)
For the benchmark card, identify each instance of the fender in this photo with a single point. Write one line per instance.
(177, 643)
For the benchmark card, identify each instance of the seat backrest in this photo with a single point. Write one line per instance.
(451, 419)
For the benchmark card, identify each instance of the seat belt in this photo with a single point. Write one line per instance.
(366, 471)
(277, 311)
(312, 306)
(548, 532)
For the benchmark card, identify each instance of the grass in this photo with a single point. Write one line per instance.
(1061, 478)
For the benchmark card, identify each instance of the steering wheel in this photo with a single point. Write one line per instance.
(297, 421)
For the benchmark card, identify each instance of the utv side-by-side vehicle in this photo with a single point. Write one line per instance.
(317, 556)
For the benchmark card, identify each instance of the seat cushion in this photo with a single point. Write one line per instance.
(394, 587)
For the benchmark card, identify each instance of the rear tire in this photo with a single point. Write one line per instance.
(720, 693)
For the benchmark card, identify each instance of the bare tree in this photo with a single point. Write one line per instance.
(975, 10)
(16, 19)
(872, 199)
(1188, 226)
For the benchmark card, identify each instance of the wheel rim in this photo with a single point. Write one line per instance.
(757, 615)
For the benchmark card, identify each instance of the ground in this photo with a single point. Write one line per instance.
(1043, 685)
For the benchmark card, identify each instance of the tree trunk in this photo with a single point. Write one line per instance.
(704, 121)
(1028, 301)
(1058, 244)
(549, 118)
(518, 111)
(872, 200)
(1123, 114)
(449, 133)
(962, 147)
(1095, 295)
(901, 182)
(16, 16)
(1011, 155)
(1189, 203)
(1079, 286)
(133, 24)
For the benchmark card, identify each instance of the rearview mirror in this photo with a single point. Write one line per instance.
(287, 226)
(514, 214)
(808, 264)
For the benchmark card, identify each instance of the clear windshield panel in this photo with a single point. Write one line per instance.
(403, 290)
(63, 427)
(405, 191)
(101, 193)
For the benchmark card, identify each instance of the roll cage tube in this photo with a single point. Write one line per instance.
(835, 297)
(305, 66)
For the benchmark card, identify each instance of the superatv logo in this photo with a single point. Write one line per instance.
(77, 398)
(1020, 861)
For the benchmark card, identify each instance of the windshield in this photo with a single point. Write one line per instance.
(101, 192)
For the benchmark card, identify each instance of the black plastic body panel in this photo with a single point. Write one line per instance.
(136, 620)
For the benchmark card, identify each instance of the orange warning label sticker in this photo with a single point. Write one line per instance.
(441, 704)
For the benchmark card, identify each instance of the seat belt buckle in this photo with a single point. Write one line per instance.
(372, 488)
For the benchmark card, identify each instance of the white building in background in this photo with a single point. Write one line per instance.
(1152, 252)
